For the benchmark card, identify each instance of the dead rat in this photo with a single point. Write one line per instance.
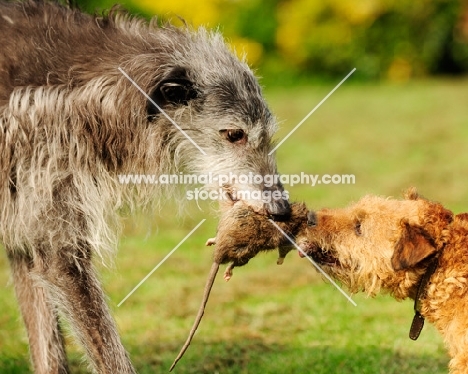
(241, 235)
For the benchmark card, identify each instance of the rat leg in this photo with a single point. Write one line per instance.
(237, 263)
(228, 272)
(283, 251)
(211, 241)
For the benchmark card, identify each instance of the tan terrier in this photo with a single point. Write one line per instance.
(412, 248)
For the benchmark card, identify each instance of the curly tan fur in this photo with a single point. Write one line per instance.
(70, 123)
(380, 244)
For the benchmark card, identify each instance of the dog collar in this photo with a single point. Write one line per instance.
(418, 319)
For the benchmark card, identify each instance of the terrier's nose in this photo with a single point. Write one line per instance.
(311, 218)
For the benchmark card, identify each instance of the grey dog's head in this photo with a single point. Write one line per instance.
(216, 100)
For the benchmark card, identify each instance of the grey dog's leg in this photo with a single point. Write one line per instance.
(40, 317)
(76, 290)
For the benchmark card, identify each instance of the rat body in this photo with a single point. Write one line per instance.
(241, 235)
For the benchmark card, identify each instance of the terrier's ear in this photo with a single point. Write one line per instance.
(413, 246)
(174, 89)
(411, 194)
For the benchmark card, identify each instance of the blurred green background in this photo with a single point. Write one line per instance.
(400, 120)
(303, 39)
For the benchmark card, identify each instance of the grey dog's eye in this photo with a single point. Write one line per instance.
(234, 135)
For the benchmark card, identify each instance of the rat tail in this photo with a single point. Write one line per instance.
(201, 311)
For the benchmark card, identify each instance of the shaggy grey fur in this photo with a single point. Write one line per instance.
(70, 122)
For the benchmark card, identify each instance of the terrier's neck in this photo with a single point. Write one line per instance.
(421, 293)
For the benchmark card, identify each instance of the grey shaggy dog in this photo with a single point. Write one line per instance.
(70, 123)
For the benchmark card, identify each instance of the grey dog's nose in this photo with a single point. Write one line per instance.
(279, 209)
(277, 205)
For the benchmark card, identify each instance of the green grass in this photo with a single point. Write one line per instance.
(271, 319)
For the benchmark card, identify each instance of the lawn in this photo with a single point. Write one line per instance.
(271, 319)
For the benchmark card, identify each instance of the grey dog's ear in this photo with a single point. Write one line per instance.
(413, 246)
(174, 89)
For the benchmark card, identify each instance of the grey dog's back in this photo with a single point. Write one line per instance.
(47, 44)
(41, 43)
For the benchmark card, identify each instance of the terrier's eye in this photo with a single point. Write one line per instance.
(234, 135)
(357, 228)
